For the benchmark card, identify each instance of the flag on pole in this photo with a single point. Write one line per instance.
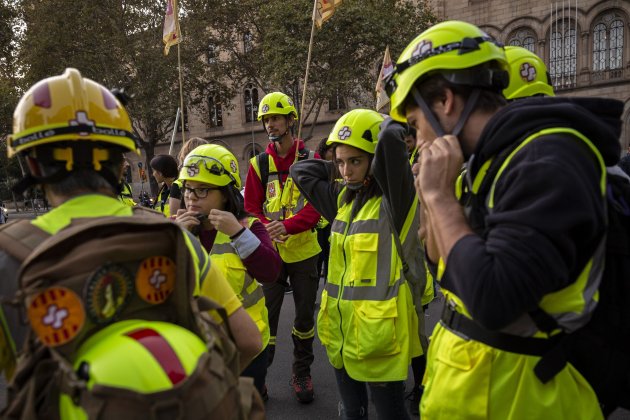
(382, 100)
(324, 11)
(171, 34)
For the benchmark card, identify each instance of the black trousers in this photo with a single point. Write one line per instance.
(304, 280)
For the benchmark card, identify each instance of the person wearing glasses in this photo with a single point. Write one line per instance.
(238, 244)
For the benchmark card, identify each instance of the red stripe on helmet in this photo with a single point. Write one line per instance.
(162, 351)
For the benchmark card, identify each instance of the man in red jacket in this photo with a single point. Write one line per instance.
(291, 221)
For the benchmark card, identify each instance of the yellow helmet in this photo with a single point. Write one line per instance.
(212, 164)
(134, 356)
(446, 48)
(358, 128)
(528, 74)
(69, 108)
(276, 103)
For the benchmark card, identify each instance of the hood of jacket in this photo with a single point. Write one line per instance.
(599, 119)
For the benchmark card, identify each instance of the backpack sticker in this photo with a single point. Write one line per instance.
(155, 279)
(107, 292)
(271, 190)
(56, 315)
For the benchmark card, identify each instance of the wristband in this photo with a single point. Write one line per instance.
(237, 234)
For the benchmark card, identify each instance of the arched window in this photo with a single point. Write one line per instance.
(215, 113)
(563, 54)
(608, 42)
(523, 38)
(250, 96)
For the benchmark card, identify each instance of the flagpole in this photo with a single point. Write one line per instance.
(170, 149)
(181, 95)
(308, 65)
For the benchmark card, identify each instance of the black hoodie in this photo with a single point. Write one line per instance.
(548, 214)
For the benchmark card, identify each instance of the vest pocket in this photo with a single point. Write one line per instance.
(364, 251)
(375, 328)
(323, 321)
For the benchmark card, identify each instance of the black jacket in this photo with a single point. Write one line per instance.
(548, 212)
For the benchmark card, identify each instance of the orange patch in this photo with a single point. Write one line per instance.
(56, 315)
(155, 279)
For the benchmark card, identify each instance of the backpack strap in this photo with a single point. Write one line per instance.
(263, 167)
(20, 238)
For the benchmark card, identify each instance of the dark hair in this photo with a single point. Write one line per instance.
(322, 147)
(235, 202)
(83, 178)
(432, 89)
(166, 165)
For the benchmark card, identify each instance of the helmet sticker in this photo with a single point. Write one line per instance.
(344, 133)
(193, 169)
(107, 292)
(155, 279)
(289, 101)
(56, 315)
(233, 166)
(265, 108)
(528, 72)
(422, 48)
(82, 119)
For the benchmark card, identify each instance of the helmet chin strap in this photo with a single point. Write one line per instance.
(430, 116)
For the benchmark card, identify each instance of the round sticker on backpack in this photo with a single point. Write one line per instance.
(107, 292)
(155, 279)
(56, 315)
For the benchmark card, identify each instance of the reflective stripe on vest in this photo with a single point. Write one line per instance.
(378, 226)
(283, 202)
(249, 295)
(571, 306)
(224, 254)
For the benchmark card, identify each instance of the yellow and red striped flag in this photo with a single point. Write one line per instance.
(171, 34)
(382, 100)
(324, 11)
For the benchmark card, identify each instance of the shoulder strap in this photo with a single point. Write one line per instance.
(20, 238)
(263, 167)
(390, 219)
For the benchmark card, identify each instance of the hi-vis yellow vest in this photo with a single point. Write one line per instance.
(367, 320)
(223, 255)
(161, 202)
(283, 202)
(485, 382)
(126, 195)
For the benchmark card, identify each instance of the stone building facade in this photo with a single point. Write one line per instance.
(585, 43)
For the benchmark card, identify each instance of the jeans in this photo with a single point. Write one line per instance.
(387, 397)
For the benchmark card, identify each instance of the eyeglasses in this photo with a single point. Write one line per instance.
(201, 192)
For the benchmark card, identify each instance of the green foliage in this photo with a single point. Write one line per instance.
(347, 52)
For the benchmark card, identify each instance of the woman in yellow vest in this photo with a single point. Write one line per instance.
(367, 320)
(176, 197)
(239, 245)
(165, 172)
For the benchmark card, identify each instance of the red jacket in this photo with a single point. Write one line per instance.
(303, 220)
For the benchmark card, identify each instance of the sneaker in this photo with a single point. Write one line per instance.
(414, 400)
(264, 394)
(303, 388)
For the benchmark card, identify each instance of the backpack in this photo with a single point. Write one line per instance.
(263, 164)
(600, 349)
(93, 261)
